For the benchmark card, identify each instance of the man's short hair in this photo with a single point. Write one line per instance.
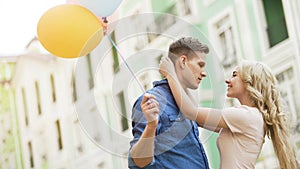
(186, 46)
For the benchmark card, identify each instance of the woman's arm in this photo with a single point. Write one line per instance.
(208, 118)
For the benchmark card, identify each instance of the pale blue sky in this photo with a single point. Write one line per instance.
(18, 22)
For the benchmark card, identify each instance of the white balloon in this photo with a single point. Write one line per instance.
(101, 8)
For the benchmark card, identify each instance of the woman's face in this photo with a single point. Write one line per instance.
(236, 88)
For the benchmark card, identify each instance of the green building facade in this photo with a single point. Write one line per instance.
(262, 30)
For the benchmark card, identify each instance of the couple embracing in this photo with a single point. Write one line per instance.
(165, 119)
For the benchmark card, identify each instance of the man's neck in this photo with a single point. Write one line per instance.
(189, 93)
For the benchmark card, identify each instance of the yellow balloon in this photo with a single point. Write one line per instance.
(69, 31)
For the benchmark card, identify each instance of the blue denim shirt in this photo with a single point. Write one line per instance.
(177, 143)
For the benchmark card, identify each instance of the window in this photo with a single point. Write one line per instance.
(30, 155)
(158, 62)
(73, 83)
(184, 7)
(90, 71)
(146, 80)
(115, 54)
(142, 41)
(53, 88)
(80, 148)
(59, 139)
(25, 106)
(124, 121)
(101, 165)
(44, 161)
(289, 91)
(163, 22)
(77, 137)
(38, 97)
(226, 40)
(275, 21)
(139, 22)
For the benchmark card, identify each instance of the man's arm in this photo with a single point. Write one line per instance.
(142, 152)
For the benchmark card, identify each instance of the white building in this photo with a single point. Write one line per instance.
(75, 113)
(51, 132)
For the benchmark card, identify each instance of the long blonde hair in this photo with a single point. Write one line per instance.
(261, 84)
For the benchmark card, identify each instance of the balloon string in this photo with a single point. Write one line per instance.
(116, 47)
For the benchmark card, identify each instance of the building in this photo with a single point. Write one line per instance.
(9, 147)
(259, 30)
(75, 113)
(51, 134)
(263, 30)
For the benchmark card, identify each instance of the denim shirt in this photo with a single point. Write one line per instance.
(176, 143)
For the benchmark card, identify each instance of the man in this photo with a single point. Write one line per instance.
(163, 137)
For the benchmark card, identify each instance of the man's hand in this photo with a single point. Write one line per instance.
(150, 108)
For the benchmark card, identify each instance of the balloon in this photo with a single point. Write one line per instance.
(69, 31)
(101, 8)
(114, 16)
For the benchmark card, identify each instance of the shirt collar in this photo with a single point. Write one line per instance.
(161, 82)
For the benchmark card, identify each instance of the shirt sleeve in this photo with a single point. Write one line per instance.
(236, 118)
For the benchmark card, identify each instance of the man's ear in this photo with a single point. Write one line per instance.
(182, 61)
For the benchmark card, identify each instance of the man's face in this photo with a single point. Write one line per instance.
(194, 70)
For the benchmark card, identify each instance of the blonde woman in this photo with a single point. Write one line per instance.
(242, 128)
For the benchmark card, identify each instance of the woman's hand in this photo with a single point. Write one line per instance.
(166, 67)
(150, 108)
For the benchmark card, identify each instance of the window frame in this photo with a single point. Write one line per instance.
(261, 23)
(214, 35)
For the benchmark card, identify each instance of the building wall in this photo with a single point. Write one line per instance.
(9, 147)
(85, 104)
(53, 137)
(249, 38)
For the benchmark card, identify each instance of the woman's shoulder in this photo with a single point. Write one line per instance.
(243, 111)
(250, 109)
(252, 113)
(245, 108)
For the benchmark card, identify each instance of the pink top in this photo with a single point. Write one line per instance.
(240, 145)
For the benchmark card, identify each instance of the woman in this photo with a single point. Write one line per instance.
(242, 128)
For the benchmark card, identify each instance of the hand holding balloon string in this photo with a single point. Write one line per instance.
(104, 22)
(150, 108)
